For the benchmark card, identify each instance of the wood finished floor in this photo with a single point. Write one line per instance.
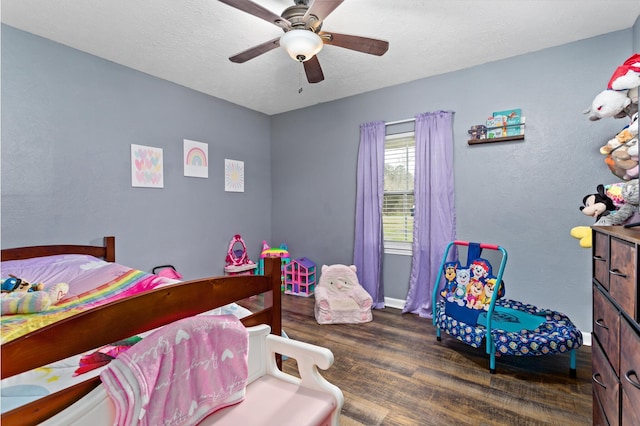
(392, 371)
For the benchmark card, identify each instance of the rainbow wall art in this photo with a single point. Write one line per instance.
(196, 159)
(146, 167)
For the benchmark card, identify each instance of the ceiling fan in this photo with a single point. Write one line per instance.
(302, 37)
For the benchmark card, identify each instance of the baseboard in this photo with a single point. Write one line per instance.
(390, 302)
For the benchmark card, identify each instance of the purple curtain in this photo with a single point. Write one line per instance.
(368, 244)
(434, 223)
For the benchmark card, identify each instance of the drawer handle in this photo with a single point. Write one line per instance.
(595, 379)
(599, 258)
(599, 323)
(635, 383)
(617, 273)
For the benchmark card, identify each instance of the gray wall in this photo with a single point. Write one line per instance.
(636, 35)
(522, 195)
(68, 120)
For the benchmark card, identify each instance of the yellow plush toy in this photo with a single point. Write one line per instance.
(582, 233)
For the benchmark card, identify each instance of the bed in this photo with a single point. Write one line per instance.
(103, 323)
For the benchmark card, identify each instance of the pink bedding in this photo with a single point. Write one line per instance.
(91, 281)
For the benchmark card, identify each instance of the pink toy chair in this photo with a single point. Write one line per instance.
(340, 299)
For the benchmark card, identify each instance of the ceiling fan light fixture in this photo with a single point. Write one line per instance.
(301, 45)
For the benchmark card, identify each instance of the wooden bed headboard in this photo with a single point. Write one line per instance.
(106, 252)
(104, 324)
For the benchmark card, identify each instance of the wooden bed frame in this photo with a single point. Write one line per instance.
(103, 325)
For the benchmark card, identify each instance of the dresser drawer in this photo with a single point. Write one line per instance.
(606, 327)
(630, 374)
(615, 351)
(622, 276)
(605, 384)
(630, 409)
(599, 418)
(601, 258)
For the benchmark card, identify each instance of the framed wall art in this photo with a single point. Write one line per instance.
(196, 159)
(233, 176)
(146, 167)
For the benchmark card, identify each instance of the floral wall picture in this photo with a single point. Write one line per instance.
(233, 176)
(146, 167)
(196, 159)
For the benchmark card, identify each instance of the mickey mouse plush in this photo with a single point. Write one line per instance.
(625, 197)
(597, 205)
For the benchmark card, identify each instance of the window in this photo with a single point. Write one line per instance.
(398, 204)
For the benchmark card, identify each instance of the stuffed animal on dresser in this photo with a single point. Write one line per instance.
(622, 151)
(620, 99)
(627, 208)
(599, 204)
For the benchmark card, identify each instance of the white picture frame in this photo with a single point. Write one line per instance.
(146, 167)
(196, 159)
(233, 175)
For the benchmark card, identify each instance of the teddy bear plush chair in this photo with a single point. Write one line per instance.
(340, 299)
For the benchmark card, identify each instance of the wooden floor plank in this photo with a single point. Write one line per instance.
(393, 371)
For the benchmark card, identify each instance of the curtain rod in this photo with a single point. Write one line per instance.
(408, 120)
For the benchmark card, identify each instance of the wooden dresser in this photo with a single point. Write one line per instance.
(615, 350)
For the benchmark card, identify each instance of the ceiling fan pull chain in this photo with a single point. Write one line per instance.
(300, 80)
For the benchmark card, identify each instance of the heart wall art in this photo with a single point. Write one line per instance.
(146, 167)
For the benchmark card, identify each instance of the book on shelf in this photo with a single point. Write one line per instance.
(512, 123)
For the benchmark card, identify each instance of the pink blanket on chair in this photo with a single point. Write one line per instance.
(180, 373)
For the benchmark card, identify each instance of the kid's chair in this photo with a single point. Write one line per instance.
(340, 299)
(469, 306)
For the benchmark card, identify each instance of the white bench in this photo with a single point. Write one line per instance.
(272, 396)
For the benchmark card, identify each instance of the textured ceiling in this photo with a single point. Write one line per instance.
(189, 41)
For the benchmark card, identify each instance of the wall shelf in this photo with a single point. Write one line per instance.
(502, 139)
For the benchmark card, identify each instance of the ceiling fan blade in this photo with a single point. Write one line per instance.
(313, 70)
(255, 51)
(259, 11)
(368, 45)
(321, 8)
